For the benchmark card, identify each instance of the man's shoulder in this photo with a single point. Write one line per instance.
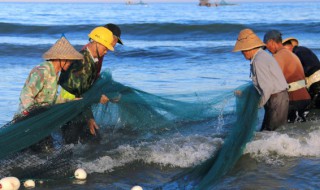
(262, 56)
(41, 68)
(283, 53)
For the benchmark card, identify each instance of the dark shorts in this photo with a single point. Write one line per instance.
(314, 92)
(297, 110)
(276, 111)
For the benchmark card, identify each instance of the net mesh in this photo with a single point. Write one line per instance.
(207, 174)
(145, 114)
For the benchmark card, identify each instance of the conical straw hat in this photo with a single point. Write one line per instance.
(62, 49)
(247, 40)
(293, 41)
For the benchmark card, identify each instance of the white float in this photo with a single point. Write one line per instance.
(5, 185)
(29, 184)
(80, 174)
(10, 183)
(137, 187)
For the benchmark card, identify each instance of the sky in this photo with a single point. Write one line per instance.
(149, 1)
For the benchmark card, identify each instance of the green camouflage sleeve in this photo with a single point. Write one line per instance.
(32, 87)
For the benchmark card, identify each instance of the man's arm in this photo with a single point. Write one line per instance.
(31, 89)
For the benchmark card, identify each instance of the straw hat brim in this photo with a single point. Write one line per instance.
(294, 41)
(62, 49)
(239, 47)
(247, 40)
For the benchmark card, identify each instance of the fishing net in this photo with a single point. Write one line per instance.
(143, 114)
(207, 174)
(146, 115)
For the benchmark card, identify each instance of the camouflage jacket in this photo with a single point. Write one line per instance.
(40, 87)
(80, 75)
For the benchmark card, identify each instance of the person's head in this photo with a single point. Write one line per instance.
(290, 43)
(62, 52)
(273, 40)
(248, 43)
(116, 32)
(102, 40)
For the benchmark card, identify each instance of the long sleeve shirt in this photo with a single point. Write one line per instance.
(266, 75)
(80, 75)
(40, 87)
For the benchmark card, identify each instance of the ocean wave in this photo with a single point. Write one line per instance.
(27, 50)
(175, 152)
(189, 30)
(296, 27)
(271, 146)
(35, 47)
(33, 30)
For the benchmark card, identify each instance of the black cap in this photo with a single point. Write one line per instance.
(272, 35)
(115, 30)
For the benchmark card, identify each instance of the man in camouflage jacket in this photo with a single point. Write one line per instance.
(79, 78)
(41, 85)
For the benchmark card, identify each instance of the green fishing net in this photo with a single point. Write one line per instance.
(143, 114)
(207, 174)
(234, 144)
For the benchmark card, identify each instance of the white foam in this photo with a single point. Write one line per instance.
(275, 143)
(107, 163)
(183, 152)
(174, 152)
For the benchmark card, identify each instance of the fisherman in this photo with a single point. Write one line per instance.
(116, 31)
(79, 78)
(41, 85)
(294, 74)
(267, 78)
(40, 88)
(311, 66)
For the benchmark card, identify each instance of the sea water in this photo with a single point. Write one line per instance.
(170, 50)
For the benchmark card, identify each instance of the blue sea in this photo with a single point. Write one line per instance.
(170, 49)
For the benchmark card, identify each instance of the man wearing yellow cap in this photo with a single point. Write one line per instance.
(311, 67)
(79, 78)
(116, 31)
(267, 78)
